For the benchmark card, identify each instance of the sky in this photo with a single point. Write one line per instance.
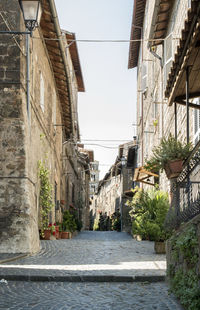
(107, 108)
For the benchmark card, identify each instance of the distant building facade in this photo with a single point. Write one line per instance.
(94, 177)
(115, 189)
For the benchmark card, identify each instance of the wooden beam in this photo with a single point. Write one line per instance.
(192, 95)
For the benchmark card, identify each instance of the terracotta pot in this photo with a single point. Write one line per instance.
(159, 247)
(173, 168)
(65, 235)
(47, 234)
(57, 232)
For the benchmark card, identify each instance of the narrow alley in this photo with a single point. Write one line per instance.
(94, 270)
(100, 155)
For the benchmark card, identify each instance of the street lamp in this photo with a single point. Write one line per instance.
(32, 12)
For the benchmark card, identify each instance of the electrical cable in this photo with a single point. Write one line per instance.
(99, 41)
(104, 146)
(106, 140)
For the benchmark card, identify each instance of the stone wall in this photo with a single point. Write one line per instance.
(24, 140)
(183, 263)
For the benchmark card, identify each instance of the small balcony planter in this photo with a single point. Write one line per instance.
(173, 168)
(169, 155)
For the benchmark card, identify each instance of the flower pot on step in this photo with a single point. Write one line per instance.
(57, 232)
(159, 247)
(65, 235)
(47, 234)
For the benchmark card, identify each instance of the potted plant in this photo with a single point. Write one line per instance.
(148, 213)
(68, 225)
(169, 156)
(57, 230)
(49, 231)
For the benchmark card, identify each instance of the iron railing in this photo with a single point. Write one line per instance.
(185, 191)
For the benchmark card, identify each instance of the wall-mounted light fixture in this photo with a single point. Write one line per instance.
(32, 12)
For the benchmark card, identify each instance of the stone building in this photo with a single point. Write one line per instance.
(115, 188)
(94, 177)
(156, 33)
(166, 51)
(37, 117)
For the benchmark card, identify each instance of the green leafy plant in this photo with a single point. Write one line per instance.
(117, 224)
(45, 199)
(168, 149)
(182, 272)
(148, 212)
(69, 222)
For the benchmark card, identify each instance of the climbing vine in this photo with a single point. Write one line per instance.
(46, 188)
(184, 279)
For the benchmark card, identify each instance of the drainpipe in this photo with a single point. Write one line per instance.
(28, 76)
(156, 55)
(175, 115)
(187, 128)
(62, 48)
(161, 71)
(187, 104)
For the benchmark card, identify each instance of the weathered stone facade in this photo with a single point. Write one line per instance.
(170, 53)
(34, 131)
(155, 118)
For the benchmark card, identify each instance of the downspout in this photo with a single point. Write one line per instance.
(156, 55)
(62, 48)
(28, 77)
(161, 71)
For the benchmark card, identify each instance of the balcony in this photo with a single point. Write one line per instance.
(185, 191)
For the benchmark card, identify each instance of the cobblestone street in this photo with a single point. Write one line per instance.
(83, 296)
(95, 270)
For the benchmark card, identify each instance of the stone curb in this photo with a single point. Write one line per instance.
(103, 278)
(8, 260)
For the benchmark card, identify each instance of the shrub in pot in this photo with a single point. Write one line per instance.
(69, 222)
(169, 155)
(148, 213)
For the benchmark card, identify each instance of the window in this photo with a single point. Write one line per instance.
(196, 122)
(93, 177)
(41, 91)
(167, 57)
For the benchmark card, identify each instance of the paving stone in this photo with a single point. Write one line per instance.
(92, 254)
(77, 296)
